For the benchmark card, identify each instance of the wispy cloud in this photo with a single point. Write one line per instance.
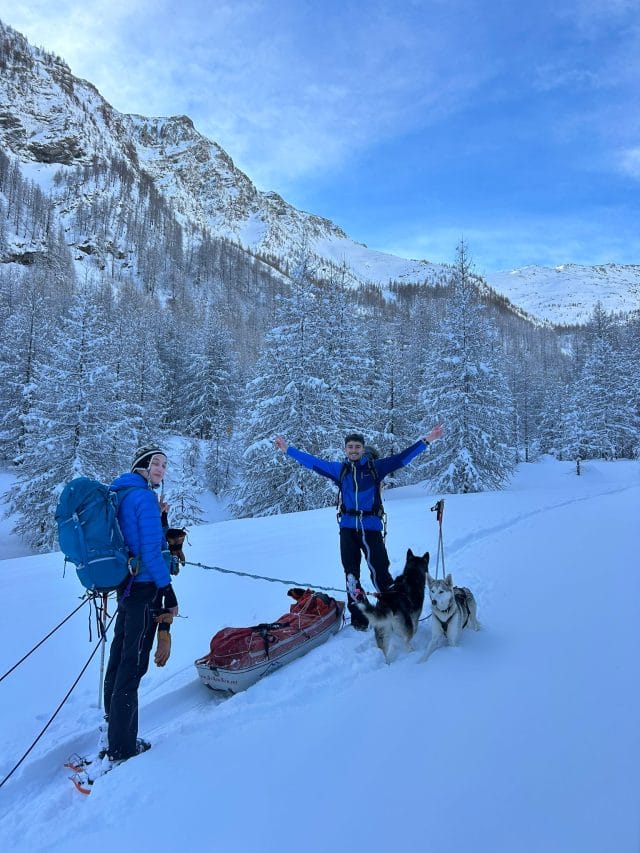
(545, 240)
(630, 162)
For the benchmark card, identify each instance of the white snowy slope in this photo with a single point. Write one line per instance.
(567, 294)
(525, 738)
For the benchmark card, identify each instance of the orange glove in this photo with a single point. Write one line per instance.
(163, 647)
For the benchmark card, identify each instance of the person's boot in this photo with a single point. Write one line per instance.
(358, 620)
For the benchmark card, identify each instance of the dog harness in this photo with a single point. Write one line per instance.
(460, 599)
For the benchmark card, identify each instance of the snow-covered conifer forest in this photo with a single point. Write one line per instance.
(127, 312)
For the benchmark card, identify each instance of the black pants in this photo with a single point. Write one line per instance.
(128, 662)
(354, 543)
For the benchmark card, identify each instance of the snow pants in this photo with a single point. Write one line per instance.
(354, 543)
(128, 662)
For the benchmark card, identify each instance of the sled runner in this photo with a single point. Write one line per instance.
(239, 657)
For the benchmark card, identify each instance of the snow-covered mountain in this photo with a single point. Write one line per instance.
(51, 120)
(566, 294)
(49, 117)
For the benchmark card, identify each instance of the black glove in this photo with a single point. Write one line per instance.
(169, 598)
(175, 540)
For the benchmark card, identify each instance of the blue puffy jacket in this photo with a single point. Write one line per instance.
(359, 486)
(139, 519)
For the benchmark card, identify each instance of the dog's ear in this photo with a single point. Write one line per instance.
(409, 554)
(425, 557)
(429, 580)
(448, 580)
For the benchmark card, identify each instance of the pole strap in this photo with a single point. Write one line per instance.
(438, 508)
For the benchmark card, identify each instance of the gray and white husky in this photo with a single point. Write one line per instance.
(453, 608)
(398, 608)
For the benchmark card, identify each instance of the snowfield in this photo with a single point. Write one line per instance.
(524, 738)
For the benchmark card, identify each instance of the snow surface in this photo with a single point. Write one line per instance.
(567, 294)
(524, 739)
(373, 266)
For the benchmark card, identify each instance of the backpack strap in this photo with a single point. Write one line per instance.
(134, 561)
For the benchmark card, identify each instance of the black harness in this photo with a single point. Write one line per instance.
(460, 598)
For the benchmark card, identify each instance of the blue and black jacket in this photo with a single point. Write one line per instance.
(358, 484)
(139, 519)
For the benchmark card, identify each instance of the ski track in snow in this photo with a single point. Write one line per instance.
(472, 538)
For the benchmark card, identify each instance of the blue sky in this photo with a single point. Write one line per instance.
(409, 123)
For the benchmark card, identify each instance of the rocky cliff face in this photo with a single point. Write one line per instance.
(50, 117)
(204, 185)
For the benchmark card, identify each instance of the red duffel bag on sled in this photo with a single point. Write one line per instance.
(238, 657)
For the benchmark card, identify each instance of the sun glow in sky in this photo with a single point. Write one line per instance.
(408, 123)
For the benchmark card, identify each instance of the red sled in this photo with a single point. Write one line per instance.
(239, 657)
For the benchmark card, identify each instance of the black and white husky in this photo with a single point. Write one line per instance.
(453, 608)
(398, 609)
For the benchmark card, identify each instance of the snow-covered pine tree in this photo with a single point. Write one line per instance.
(210, 395)
(467, 391)
(602, 414)
(142, 388)
(629, 361)
(73, 424)
(27, 324)
(185, 486)
(288, 395)
(394, 393)
(528, 392)
(344, 343)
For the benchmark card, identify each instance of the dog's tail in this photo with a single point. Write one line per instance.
(374, 613)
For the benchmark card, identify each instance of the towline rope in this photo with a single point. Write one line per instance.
(100, 642)
(277, 580)
(264, 578)
(51, 632)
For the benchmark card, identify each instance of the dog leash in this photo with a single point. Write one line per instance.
(438, 508)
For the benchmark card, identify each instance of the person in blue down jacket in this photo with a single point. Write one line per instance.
(146, 592)
(360, 517)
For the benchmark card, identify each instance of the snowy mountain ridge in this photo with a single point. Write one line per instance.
(51, 120)
(566, 294)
